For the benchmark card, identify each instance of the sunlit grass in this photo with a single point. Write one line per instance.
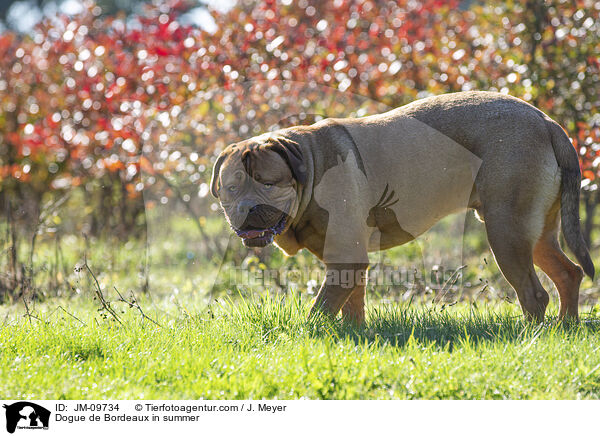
(265, 347)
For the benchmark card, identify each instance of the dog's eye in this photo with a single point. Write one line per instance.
(232, 188)
(268, 185)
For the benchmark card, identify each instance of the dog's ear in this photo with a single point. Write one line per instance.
(214, 182)
(290, 152)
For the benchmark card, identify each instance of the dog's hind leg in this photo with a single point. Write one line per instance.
(565, 274)
(513, 250)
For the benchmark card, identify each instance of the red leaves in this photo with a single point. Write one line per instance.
(392, 52)
(162, 51)
(588, 174)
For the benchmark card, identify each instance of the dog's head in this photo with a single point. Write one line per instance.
(256, 182)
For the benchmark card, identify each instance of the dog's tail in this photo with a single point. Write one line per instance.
(568, 162)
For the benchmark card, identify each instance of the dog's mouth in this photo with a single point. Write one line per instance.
(261, 237)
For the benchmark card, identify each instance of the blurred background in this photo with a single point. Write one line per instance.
(112, 113)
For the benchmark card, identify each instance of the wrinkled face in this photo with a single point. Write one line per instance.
(257, 191)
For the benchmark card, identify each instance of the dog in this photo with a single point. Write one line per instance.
(344, 187)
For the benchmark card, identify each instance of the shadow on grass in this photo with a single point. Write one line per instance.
(399, 324)
(83, 353)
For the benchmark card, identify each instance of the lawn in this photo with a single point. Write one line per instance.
(110, 127)
(189, 338)
(264, 347)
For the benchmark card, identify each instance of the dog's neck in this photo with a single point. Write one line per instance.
(287, 240)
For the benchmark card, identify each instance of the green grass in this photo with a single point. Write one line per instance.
(266, 348)
(245, 346)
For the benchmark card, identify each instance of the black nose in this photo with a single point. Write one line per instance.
(244, 207)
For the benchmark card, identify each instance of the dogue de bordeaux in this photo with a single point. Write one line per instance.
(344, 187)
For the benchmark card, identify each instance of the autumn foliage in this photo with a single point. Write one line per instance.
(114, 105)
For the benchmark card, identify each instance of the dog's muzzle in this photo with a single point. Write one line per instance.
(261, 237)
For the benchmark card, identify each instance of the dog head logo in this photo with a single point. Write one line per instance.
(26, 415)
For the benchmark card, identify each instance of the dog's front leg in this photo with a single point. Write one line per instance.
(353, 310)
(341, 279)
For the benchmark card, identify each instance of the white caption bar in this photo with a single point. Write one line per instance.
(296, 417)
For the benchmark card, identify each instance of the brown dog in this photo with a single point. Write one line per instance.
(344, 187)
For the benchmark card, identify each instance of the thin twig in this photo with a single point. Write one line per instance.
(100, 295)
(47, 211)
(49, 208)
(134, 303)
(449, 283)
(71, 315)
(28, 313)
(191, 213)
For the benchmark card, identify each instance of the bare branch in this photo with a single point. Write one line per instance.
(134, 303)
(103, 301)
(71, 315)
